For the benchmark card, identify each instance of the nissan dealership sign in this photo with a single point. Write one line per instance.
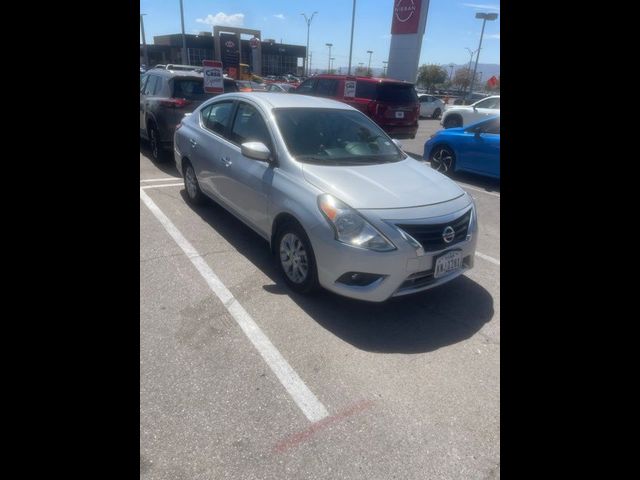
(406, 16)
(408, 22)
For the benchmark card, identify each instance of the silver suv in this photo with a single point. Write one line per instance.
(340, 204)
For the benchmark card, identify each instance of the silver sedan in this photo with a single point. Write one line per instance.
(340, 204)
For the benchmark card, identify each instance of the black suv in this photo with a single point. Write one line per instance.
(165, 97)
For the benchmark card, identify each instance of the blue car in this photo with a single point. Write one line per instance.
(474, 148)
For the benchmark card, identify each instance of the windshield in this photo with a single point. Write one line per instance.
(334, 137)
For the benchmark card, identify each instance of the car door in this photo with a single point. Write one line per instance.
(425, 106)
(307, 87)
(483, 149)
(209, 145)
(147, 100)
(244, 183)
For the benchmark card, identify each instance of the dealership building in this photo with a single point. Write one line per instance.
(277, 58)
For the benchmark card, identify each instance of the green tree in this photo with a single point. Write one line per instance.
(431, 75)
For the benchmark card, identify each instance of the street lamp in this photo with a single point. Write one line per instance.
(484, 17)
(331, 64)
(353, 19)
(384, 66)
(329, 45)
(471, 52)
(306, 60)
(369, 67)
(185, 58)
(144, 42)
(451, 65)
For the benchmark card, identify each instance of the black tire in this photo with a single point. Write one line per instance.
(443, 159)
(291, 238)
(436, 113)
(191, 185)
(157, 153)
(452, 122)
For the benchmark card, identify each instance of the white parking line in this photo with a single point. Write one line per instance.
(488, 258)
(165, 185)
(304, 398)
(163, 179)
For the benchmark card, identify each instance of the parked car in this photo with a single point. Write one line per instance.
(475, 148)
(280, 87)
(165, 97)
(340, 204)
(469, 99)
(430, 106)
(392, 104)
(459, 116)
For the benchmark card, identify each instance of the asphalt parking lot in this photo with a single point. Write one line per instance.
(242, 378)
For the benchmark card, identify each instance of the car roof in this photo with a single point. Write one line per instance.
(176, 73)
(270, 100)
(368, 79)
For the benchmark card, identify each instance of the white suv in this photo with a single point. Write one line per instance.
(460, 116)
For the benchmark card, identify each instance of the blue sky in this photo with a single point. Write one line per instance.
(451, 26)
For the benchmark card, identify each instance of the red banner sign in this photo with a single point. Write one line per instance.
(406, 16)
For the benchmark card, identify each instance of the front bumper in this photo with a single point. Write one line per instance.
(403, 271)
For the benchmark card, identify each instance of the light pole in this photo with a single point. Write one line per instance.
(384, 67)
(306, 60)
(451, 65)
(329, 45)
(484, 17)
(471, 52)
(144, 42)
(369, 67)
(331, 64)
(353, 18)
(185, 59)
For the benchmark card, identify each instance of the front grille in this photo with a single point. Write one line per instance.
(430, 235)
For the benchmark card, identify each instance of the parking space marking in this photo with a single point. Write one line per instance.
(163, 179)
(290, 380)
(488, 258)
(161, 186)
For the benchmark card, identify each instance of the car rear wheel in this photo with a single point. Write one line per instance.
(154, 143)
(443, 159)
(436, 113)
(191, 185)
(452, 122)
(296, 259)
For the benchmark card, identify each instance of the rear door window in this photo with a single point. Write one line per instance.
(489, 103)
(397, 93)
(151, 85)
(216, 117)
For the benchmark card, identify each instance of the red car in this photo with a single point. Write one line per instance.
(392, 104)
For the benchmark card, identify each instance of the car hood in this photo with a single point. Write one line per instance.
(404, 184)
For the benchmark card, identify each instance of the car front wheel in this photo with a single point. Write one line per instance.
(296, 259)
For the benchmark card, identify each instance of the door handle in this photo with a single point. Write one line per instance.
(193, 143)
(226, 161)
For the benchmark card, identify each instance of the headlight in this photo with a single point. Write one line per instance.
(350, 227)
(473, 221)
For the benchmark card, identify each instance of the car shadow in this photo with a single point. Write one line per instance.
(167, 166)
(418, 323)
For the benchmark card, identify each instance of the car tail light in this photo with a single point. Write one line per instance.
(380, 109)
(175, 102)
(371, 108)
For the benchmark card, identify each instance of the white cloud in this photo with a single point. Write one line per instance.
(482, 7)
(280, 16)
(221, 18)
(494, 35)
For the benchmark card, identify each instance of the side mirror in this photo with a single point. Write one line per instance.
(398, 144)
(255, 150)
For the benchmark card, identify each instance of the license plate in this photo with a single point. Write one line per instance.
(399, 114)
(447, 263)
